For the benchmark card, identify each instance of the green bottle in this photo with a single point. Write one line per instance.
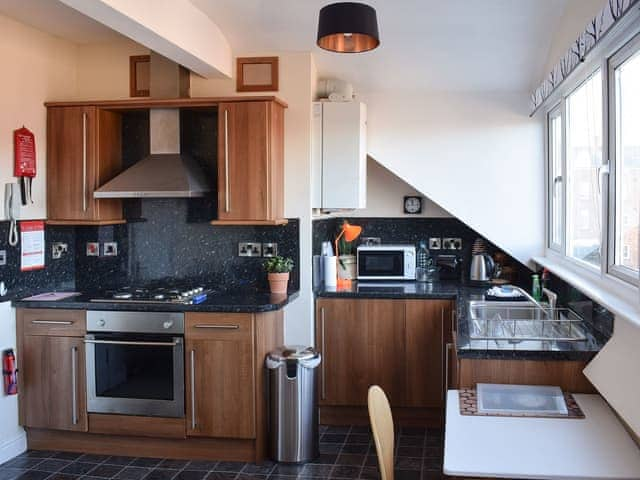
(536, 291)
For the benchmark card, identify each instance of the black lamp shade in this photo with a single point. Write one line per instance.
(348, 27)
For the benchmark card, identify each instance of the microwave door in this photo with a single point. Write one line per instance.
(381, 264)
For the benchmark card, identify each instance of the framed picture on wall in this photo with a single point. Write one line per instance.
(139, 75)
(257, 74)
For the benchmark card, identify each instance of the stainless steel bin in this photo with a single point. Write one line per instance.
(293, 404)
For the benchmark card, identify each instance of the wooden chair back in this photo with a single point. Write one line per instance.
(382, 428)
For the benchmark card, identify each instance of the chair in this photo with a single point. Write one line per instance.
(382, 428)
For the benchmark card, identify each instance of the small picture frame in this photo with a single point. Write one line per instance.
(257, 74)
(139, 75)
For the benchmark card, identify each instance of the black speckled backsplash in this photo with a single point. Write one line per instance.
(412, 230)
(165, 245)
(58, 274)
(162, 245)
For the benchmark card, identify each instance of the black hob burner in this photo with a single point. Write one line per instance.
(183, 294)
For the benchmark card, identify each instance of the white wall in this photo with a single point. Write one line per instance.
(575, 17)
(38, 67)
(385, 196)
(13, 440)
(478, 155)
(103, 69)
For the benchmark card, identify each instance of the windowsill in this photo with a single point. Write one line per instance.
(613, 294)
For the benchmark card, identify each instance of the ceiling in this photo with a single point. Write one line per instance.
(57, 19)
(452, 45)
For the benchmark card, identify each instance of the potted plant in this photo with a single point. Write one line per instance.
(278, 269)
(346, 260)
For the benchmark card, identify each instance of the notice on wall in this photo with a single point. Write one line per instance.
(32, 241)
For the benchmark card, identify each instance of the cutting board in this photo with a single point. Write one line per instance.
(615, 372)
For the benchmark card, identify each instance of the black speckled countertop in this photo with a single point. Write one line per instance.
(466, 347)
(249, 301)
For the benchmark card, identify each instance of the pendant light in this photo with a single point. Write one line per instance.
(348, 27)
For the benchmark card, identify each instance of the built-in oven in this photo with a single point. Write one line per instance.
(386, 262)
(135, 363)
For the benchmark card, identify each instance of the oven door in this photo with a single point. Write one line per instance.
(381, 264)
(135, 374)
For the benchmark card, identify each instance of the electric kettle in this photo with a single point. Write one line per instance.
(482, 268)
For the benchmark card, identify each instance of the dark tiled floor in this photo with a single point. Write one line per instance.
(345, 453)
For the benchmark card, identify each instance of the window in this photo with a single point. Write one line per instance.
(584, 158)
(595, 130)
(556, 184)
(624, 71)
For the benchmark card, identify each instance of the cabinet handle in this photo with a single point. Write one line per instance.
(443, 368)
(322, 371)
(446, 368)
(219, 327)
(74, 386)
(51, 322)
(84, 162)
(227, 203)
(193, 389)
(141, 344)
(453, 321)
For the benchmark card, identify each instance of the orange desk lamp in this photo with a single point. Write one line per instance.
(350, 233)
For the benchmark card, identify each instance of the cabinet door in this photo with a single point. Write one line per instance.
(52, 377)
(362, 342)
(428, 330)
(220, 375)
(70, 160)
(83, 152)
(243, 161)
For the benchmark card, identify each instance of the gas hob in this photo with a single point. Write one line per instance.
(184, 295)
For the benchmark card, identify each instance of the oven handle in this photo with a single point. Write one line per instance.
(122, 342)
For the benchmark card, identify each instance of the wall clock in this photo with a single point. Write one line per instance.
(412, 205)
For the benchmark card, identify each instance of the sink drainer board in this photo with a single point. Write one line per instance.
(502, 321)
(468, 402)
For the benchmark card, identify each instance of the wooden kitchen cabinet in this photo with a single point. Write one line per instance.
(250, 163)
(362, 344)
(83, 152)
(394, 343)
(220, 379)
(428, 330)
(52, 369)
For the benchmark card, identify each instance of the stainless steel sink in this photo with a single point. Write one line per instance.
(520, 321)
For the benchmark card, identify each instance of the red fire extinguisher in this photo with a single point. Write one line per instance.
(9, 372)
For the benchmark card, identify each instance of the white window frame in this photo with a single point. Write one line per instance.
(608, 273)
(626, 274)
(556, 112)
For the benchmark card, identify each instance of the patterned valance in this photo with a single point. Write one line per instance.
(592, 34)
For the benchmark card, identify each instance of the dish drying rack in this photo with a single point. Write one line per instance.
(529, 323)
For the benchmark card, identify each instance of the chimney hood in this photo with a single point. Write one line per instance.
(165, 173)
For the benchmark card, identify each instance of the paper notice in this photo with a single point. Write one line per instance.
(32, 241)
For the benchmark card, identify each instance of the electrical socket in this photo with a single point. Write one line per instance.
(110, 249)
(452, 243)
(3, 257)
(435, 243)
(269, 249)
(58, 249)
(249, 249)
(93, 249)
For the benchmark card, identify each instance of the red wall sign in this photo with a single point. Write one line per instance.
(24, 144)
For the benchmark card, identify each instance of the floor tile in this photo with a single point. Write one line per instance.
(67, 455)
(343, 471)
(287, 470)
(221, 476)
(355, 448)
(78, 468)
(122, 461)
(229, 467)
(258, 469)
(52, 465)
(408, 463)
(329, 448)
(161, 474)
(63, 476)
(406, 475)
(370, 473)
(325, 459)
(314, 470)
(33, 475)
(146, 462)
(410, 451)
(173, 464)
(105, 471)
(338, 429)
(23, 462)
(204, 465)
(132, 473)
(10, 473)
(91, 458)
(190, 475)
(333, 438)
(351, 459)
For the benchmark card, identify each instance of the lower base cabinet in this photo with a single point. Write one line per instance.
(396, 344)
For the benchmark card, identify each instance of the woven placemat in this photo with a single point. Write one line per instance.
(469, 406)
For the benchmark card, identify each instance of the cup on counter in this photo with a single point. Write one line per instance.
(329, 267)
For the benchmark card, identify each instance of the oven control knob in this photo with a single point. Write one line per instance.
(101, 322)
(168, 324)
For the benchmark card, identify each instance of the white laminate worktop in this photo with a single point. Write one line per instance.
(596, 447)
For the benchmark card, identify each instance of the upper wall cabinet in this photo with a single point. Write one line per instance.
(250, 163)
(339, 155)
(83, 152)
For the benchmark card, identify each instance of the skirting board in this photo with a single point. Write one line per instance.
(12, 448)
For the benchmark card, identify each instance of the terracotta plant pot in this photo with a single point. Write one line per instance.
(278, 282)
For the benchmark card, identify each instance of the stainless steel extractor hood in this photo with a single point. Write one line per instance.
(165, 172)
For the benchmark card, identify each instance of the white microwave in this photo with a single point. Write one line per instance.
(386, 262)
